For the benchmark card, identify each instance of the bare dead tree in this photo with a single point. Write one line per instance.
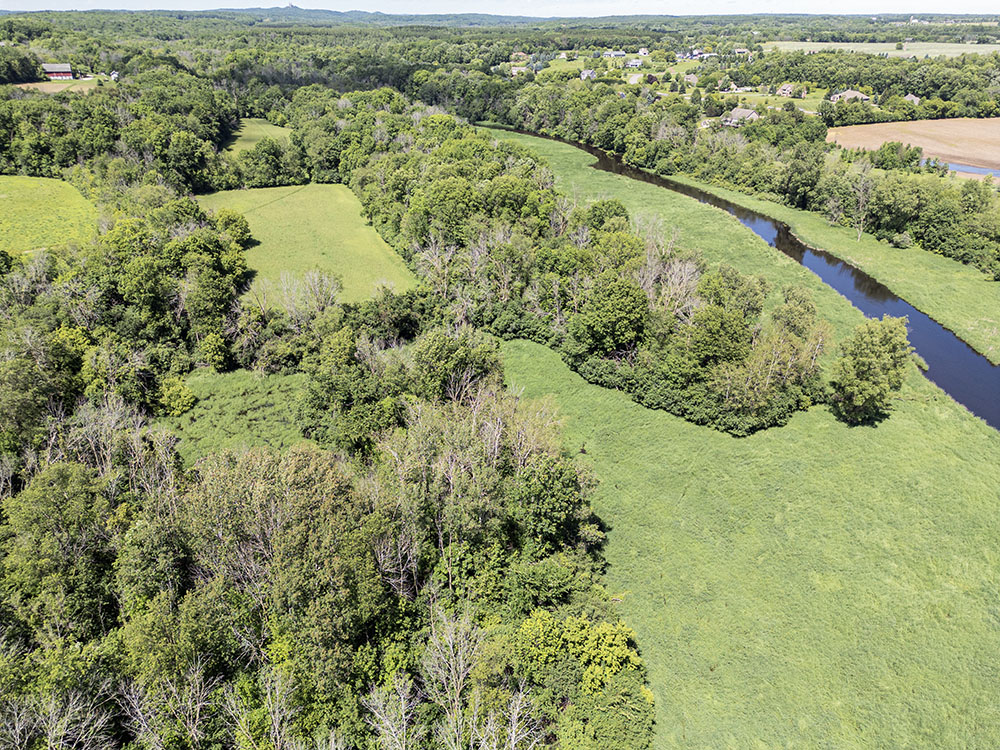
(447, 665)
(393, 711)
(513, 727)
(863, 187)
(144, 715)
(75, 720)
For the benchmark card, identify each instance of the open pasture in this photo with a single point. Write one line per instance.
(252, 130)
(77, 85)
(810, 586)
(37, 212)
(306, 227)
(962, 140)
(910, 49)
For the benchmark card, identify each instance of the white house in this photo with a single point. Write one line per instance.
(738, 116)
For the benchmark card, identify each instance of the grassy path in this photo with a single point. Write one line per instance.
(956, 295)
(810, 586)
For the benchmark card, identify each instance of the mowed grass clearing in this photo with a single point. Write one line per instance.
(77, 85)
(254, 129)
(38, 212)
(811, 586)
(238, 410)
(956, 295)
(962, 140)
(910, 49)
(306, 227)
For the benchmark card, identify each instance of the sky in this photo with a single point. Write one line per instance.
(540, 7)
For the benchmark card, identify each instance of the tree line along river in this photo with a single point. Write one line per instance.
(957, 368)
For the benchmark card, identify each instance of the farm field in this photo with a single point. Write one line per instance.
(910, 49)
(237, 410)
(810, 586)
(301, 228)
(956, 295)
(252, 130)
(962, 140)
(37, 212)
(77, 85)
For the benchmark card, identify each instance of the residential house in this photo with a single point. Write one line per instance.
(912, 99)
(849, 95)
(738, 116)
(691, 78)
(518, 56)
(643, 52)
(58, 71)
(741, 51)
(785, 90)
(515, 69)
(615, 53)
(587, 74)
(636, 63)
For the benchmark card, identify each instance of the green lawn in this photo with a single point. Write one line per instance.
(809, 103)
(910, 49)
(306, 227)
(811, 586)
(956, 295)
(238, 410)
(252, 130)
(37, 212)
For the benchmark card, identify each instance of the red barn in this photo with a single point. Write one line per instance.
(58, 71)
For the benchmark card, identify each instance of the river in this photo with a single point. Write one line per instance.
(957, 368)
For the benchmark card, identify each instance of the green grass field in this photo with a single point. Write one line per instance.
(910, 49)
(252, 130)
(238, 410)
(306, 227)
(956, 295)
(809, 103)
(812, 586)
(37, 212)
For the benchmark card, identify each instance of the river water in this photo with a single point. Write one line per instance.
(957, 368)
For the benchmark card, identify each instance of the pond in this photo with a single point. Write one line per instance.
(957, 368)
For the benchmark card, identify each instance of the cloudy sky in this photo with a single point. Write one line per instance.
(540, 7)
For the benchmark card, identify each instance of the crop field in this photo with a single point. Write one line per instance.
(37, 212)
(962, 140)
(910, 49)
(237, 410)
(252, 130)
(810, 586)
(956, 295)
(300, 228)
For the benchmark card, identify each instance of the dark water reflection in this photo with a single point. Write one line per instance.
(957, 368)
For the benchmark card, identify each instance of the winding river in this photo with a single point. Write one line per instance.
(957, 368)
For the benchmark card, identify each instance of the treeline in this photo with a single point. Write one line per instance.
(17, 66)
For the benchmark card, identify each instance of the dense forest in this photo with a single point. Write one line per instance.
(425, 570)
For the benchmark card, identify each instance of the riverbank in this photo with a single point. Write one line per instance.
(957, 296)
